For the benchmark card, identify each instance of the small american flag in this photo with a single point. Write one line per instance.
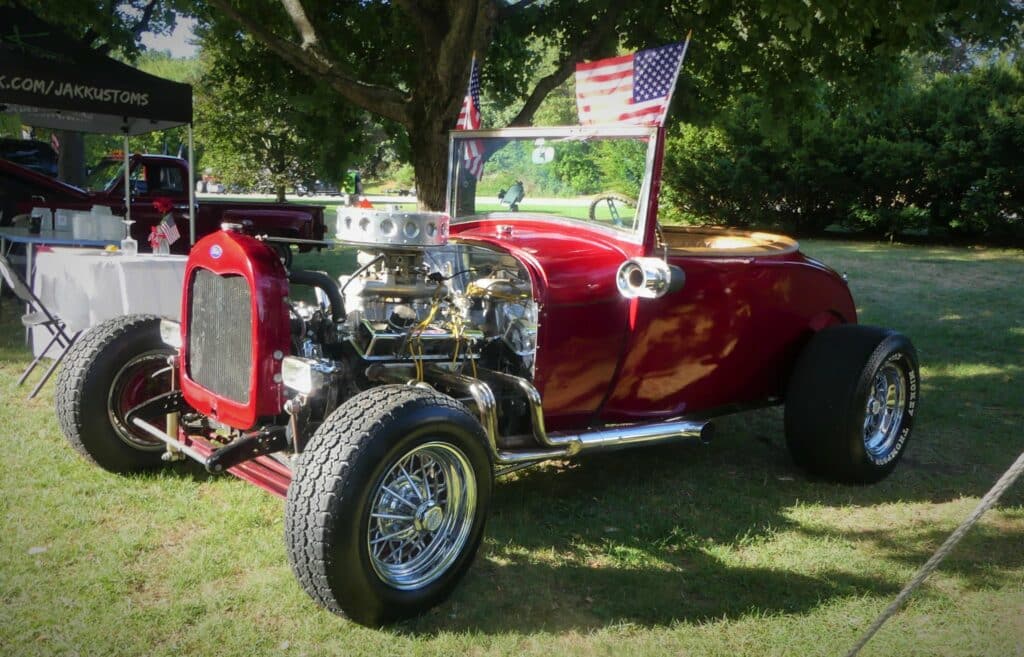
(169, 229)
(629, 89)
(469, 119)
(55, 143)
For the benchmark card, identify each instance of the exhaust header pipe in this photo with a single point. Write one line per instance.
(641, 434)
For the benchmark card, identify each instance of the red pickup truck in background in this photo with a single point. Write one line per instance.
(154, 177)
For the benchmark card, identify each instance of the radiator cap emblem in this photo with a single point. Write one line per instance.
(216, 251)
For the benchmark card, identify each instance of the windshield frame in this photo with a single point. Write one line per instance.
(636, 235)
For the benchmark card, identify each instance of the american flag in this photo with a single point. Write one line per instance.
(169, 229)
(469, 119)
(629, 89)
(55, 143)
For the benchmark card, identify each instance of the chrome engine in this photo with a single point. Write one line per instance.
(415, 298)
(436, 305)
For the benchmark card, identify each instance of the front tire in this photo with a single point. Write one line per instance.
(387, 505)
(284, 253)
(851, 403)
(112, 368)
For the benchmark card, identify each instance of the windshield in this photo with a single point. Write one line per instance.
(582, 176)
(103, 174)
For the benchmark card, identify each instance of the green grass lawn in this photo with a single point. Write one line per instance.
(676, 550)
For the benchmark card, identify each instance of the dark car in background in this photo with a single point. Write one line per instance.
(317, 188)
(31, 154)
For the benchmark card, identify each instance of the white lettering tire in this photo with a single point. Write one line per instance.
(851, 402)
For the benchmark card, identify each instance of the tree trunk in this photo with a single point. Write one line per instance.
(279, 189)
(71, 162)
(430, 162)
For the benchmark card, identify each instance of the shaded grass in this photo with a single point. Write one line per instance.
(681, 550)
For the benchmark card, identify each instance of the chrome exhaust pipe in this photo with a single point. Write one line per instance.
(638, 434)
(483, 396)
(554, 446)
(611, 438)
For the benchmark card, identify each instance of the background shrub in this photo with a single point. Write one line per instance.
(936, 154)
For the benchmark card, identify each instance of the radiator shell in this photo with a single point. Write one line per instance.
(233, 377)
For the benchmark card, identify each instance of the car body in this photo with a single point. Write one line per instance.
(727, 338)
(153, 178)
(31, 154)
(559, 319)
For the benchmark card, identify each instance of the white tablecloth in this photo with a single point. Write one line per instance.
(85, 286)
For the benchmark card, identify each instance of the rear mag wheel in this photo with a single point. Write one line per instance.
(851, 403)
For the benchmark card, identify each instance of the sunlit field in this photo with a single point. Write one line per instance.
(684, 549)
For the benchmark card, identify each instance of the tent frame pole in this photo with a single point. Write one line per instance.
(191, 189)
(127, 181)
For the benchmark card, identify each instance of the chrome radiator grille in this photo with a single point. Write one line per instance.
(220, 334)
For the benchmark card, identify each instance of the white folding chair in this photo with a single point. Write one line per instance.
(37, 315)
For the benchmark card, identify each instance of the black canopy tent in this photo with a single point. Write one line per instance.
(53, 81)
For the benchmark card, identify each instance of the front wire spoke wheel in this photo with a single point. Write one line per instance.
(388, 504)
(114, 367)
(434, 481)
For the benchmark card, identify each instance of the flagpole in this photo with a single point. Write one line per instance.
(672, 91)
(469, 84)
(191, 189)
(127, 178)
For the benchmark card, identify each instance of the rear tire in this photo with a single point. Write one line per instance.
(851, 403)
(112, 368)
(387, 505)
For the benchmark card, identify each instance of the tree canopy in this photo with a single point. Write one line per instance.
(108, 25)
(264, 127)
(931, 152)
(407, 61)
(332, 80)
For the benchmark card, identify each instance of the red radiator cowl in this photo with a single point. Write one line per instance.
(235, 329)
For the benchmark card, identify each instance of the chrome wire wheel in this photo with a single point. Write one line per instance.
(140, 379)
(886, 403)
(421, 516)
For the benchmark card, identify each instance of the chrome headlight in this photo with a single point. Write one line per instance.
(170, 333)
(648, 278)
(304, 375)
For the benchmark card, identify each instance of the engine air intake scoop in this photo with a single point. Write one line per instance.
(373, 227)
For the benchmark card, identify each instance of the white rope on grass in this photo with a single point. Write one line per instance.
(929, 567)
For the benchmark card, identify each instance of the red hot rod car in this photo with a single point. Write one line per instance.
(546, 314)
